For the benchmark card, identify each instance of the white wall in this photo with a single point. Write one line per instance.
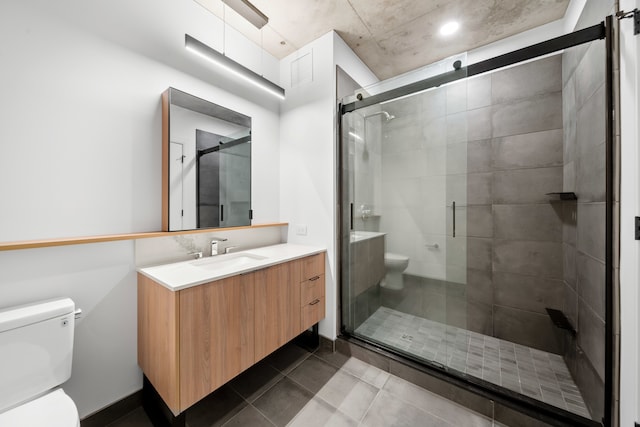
(308, 153)
(101, 279)
(80, 140)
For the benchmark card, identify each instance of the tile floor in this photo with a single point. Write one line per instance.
(293, 387)
(534, 373)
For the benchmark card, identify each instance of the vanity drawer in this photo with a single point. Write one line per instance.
(312, 290)
(312, 266)
(312, 313)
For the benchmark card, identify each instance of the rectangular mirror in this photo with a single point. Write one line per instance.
(206, 164)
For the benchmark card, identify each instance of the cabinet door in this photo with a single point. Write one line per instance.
(216, 335)
(277, 306)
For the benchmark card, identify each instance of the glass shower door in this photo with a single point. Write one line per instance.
(363, 243)
(404, 208)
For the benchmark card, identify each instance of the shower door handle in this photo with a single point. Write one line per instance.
(453, 217)
(350, 216)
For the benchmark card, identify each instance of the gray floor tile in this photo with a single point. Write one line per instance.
(282, 402)
(367, 373)
(136, 418)
(436, 405)
(349, 397)
(317, 413)
(348, 394)
(249, 417)
(215, 409)
(313, 373)
(336, 358)
(287, 358)
(255, 381)
(388, 410)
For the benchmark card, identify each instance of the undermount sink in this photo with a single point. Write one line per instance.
(227, 261)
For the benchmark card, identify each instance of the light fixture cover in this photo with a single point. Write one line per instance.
(248, 12)
(449, 28)
(231, 66)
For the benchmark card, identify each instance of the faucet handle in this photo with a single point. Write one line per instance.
(197, 255)
(219, 239)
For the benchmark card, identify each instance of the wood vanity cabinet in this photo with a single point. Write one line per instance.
(216, 335)
(277, 306)
(192, 341)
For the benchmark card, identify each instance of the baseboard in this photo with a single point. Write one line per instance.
(114, 411)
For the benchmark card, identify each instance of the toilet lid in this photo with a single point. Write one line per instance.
(54, 409)
(390, 256)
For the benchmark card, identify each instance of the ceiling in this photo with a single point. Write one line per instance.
(391, 36)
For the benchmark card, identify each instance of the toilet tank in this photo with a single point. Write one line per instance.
(36, 349)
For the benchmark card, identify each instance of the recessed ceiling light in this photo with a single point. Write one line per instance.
(449, 28)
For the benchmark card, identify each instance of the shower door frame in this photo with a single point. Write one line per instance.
(522, 403)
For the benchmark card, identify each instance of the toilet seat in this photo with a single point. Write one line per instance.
(54, 409)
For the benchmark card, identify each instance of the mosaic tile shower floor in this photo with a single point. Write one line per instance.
(534, 373)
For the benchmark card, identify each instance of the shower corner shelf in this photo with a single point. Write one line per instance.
(560, 320)
(568, 195)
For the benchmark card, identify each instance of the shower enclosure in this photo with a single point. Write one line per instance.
(474, 230)
(223, 182)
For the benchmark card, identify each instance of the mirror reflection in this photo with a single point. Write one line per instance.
(207, 158)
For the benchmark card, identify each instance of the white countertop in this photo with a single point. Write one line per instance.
(356, 236)
(181, 275)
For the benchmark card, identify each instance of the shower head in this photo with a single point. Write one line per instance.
(386, 115)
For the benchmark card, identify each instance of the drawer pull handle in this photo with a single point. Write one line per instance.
(314, 302)
(313, 279)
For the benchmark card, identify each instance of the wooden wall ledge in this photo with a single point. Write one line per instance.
(30, 244)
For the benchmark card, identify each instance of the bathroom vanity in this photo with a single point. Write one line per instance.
(202, 322)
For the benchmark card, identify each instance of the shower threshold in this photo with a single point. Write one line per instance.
(533, 373)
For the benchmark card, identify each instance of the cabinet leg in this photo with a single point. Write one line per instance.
(309, 339)
(158, 411)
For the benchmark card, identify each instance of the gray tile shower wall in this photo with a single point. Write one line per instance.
(584, 220)
(514, 158)
(494, 145)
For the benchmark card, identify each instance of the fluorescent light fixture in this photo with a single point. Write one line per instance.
(449, 28)
(231, 66)
(248, 12)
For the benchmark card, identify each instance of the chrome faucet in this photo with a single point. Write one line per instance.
(214, 245)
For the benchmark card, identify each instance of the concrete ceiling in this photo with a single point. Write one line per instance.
(391, 36)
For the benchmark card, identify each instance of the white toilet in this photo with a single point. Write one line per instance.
(36, 351)
(395, 265)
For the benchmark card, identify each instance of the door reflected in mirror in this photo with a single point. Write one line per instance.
(206, 151)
